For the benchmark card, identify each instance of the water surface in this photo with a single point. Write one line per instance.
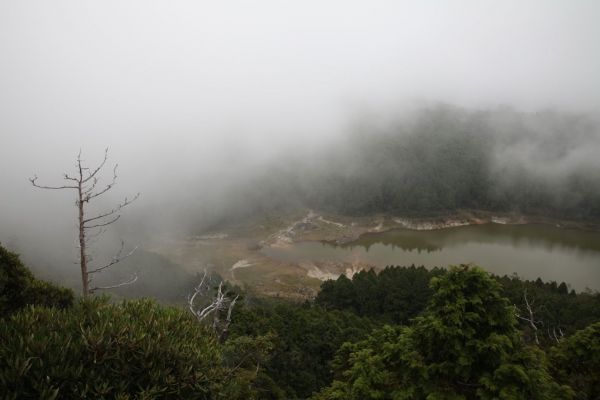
(531, 251)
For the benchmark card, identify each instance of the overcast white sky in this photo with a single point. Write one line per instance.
(176, 86)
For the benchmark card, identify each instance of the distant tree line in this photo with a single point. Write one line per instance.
(448, 158)
(395, 295)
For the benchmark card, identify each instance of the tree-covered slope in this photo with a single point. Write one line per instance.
(465, 345)
(405, 333)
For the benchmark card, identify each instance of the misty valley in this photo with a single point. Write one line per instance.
(300, 200)
(289, 256)
(432, 258)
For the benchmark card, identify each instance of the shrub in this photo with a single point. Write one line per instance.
(576, 362)
(18, 287)
(135, 349)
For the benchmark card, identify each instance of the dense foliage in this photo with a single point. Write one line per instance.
(576, 361)
(18, 287)
(135, 349)
(446, 158)
(465, 345)
(405, 333)
(397, 294)
(306, 339)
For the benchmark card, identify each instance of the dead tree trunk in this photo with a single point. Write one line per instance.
(212, 305)
(85, 182)
(82, 242)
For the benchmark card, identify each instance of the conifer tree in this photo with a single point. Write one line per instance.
(466, 345)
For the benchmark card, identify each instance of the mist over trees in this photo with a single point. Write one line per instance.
(223, 112)
(435, 160)
(431, 160)
(275, 144)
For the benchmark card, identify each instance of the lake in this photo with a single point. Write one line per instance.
(531, 251)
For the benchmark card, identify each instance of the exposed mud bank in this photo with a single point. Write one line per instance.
(241, 254)
(476, 217)
(342, 229)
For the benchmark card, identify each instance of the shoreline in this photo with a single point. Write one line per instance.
(230, 250)
(458, 219)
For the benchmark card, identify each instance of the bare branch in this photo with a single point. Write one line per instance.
(231, 308)
(35, 178)
(133, 278)
(219, 303)
(198, 290)
(88, 197)
(116, 259)
(69, 178)
(532, 322)
(89, 238)
(92, 174)
(103, 224)
(115, 210)
(106, 214)
(88, 193)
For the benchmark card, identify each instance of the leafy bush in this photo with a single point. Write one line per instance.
(576, 362)
(18, 287)
(135, 349)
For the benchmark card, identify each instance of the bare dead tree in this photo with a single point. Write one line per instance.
(530, 318)
(553, 335)
(85, 183)
(213, 305)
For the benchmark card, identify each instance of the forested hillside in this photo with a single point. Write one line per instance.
(434, 161)
(404, 333)
(300, 200)
(446, 158)
(465, 345)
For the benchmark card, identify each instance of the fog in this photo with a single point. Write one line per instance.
(199, 100)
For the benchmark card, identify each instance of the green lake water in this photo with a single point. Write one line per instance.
(531, 251)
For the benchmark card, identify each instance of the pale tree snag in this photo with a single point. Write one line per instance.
(555, 335)
(533, 323)
(213, 305)
(552, 324)
(84, 183)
